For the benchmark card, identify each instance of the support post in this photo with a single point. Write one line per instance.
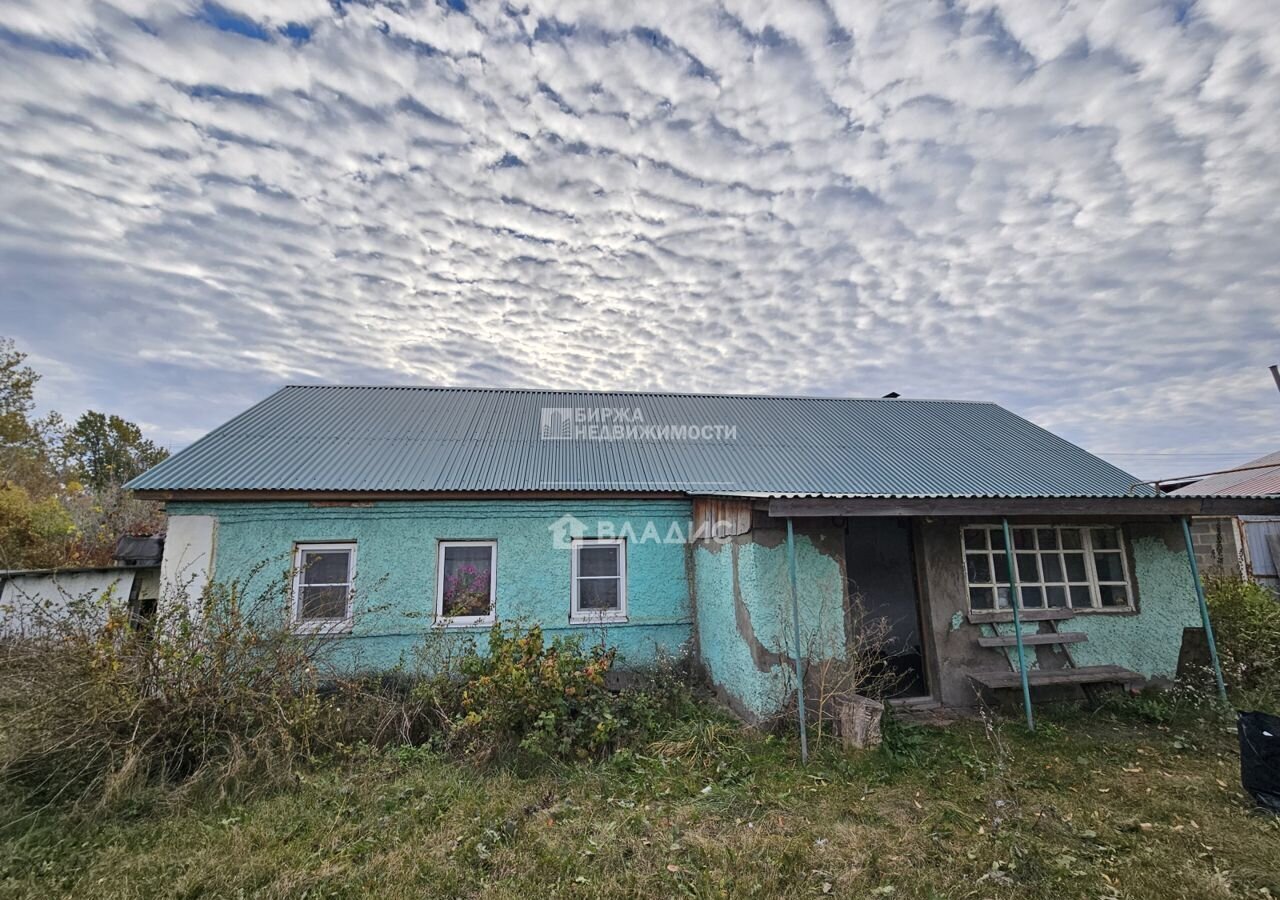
(795, 621)
(1204, 609)
(1015, 602)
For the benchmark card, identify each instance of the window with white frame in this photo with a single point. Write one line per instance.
(1058, 567)
(599, 580)
(323, 578)
(466, 582)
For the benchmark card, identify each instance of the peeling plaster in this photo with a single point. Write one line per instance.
(744, 615)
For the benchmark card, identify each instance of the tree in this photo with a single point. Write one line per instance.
(33, 534)
(61, 500)
(17, 395)
(106, 451)
(24, 442)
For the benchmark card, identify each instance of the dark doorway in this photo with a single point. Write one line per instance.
(881, 570)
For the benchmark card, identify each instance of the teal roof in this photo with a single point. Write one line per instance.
(424, 439)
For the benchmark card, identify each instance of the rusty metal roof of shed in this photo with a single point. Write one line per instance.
(423, 439)
(1256, 477)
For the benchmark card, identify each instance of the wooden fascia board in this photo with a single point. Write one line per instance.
(1022, 506)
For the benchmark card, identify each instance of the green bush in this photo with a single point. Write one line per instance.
(94, 707)
(548, 700)
(1246, 623)
(228, 696)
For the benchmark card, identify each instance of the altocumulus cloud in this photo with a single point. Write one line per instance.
(1072, 208)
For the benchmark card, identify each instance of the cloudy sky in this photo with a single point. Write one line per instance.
(1071, 207)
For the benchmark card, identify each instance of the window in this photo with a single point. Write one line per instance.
(466, 579)
(322, 582)
(599, 580)
(1058, 568)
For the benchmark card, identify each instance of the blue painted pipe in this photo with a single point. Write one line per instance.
(1015, 602)
(795, 621)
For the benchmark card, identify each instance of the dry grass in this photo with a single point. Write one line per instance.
(1095, 805)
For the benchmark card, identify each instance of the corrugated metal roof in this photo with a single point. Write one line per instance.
(1255, 482)
(348, 438)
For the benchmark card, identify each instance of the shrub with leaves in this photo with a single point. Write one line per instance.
(94, 706)
(225, 695)
(1246, 623)
(547, 699)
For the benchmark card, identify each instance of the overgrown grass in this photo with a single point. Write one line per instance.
(1102, 804)
(524, 776)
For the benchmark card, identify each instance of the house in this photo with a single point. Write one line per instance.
(738, 527)
(1248, 546)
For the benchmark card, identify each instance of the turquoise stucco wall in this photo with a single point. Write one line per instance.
(396, 559)
(1148, 642)
(745, 631)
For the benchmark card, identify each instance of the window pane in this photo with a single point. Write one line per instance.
(1113, 595)
(1105, 539)
(1048, 538)
(1075, 567)
(1032, 597)
(323, 603)
(1052, 565)
(980, 598)
(1108, 566)
(466, 581)
(997, 539)
(1002, 598)
(598, 594)
(979, 568)
(1071, 539)
(597, 560)
(1000, 565)
(1057, 597)
(1080, 598)
(325, 566)
(1024, 539)
(975, 539)
(1027, 568)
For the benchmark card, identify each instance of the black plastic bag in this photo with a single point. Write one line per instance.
(1260, 758)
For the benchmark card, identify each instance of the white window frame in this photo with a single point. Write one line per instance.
(444, 621)
(311, 626)
(1091, 572)
(579, 616)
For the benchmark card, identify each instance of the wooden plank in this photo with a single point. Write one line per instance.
(721, 517)
(1023, 506)
(1046, 677)
(1028, 615)
(1031, 640)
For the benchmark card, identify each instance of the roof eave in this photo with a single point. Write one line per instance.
(1023, 506)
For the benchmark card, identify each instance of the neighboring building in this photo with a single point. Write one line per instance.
(1244, 545)
(30, 599)
(659, 522)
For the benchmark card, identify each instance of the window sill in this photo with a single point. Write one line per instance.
(600, 619)
(454, 624)
(323, 628)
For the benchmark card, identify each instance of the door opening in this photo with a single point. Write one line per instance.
(880, 565)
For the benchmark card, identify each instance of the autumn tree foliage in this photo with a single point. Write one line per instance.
(61, 496)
